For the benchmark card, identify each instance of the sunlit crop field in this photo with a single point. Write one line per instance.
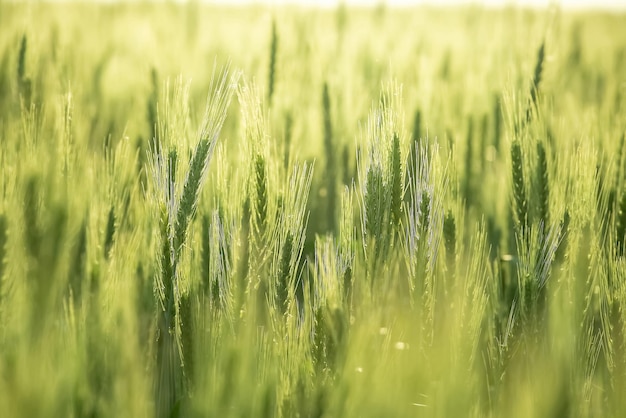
(260, 212)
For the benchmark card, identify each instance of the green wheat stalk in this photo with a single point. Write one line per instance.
(449, 237)
(151, 108)
(346, 165)
(272, 63)
(289, 243)
(519, 188)
(21, 59)
(380, 174)
(288, 139)
(347, 238)
(330, 151)
(534, 90)
(175, 214)
(374, 203)
(543, 185)
(284, 274)
(423, 214)
(23, 82)
(260, 193)
(258, 185)
(484, 138)
(191, 189)
(219, 267)
(109, 236)
(417, 128)
(469, 161)
(533, 101)
(79, 266)
(396, 182)
(32, 231)
(497, 122)
(187, 331)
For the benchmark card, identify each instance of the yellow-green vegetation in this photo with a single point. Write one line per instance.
(341, 212)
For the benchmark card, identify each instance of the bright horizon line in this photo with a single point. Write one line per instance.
(576, 5)
(566, 4)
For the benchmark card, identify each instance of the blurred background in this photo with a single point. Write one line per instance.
(569, 4)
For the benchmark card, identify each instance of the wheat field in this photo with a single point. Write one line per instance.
(302, 212)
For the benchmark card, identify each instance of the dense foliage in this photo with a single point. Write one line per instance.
(374, 212)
